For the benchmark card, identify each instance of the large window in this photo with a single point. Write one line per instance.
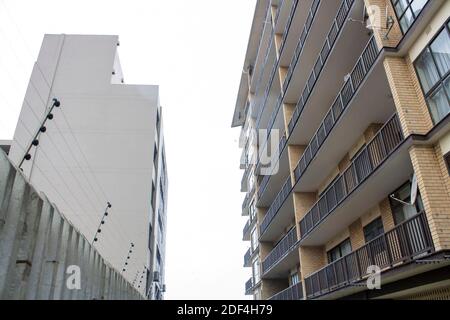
(433, 69)
(373, 230)
(294, 279)
(256, 271)
(400, 206)
(339, 251)
(407, 11)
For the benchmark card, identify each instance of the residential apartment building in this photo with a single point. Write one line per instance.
(102, 144)
(344, 109)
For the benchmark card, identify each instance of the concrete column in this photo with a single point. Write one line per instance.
(295, 153)
(63, 256)
(49, 266)
(357, 239)
(42, 234)
(409, 101)
(436, 199)
(288, 111)
(11, 215)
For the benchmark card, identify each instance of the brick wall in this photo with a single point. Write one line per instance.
(433, 190)
(411, 107)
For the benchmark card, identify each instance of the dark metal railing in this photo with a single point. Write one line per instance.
(249, 286)
(276, 205)
(247, 257)
(294, 292)
(370, 157)
(280, 250)
(336, 27)
(275, 65)
(265, 180)
(361, 69)
(402, 244)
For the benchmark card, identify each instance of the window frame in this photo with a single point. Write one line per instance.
(408, 8)
(447, 161)
(339, 246)
(442, 78)
(370, 224)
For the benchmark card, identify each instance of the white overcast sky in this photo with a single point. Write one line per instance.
(194, 50)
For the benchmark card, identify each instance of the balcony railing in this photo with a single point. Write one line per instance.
(332, 36)
(265, 180)
(247, 257)
(406, 242)
(364, 64)
(336, 27)
(249, 287)
(301, 42)
(276, 205)
(369, 159)
(298, 50)
(294, 292)
(248, 226)
(276, 64)
(280, 250)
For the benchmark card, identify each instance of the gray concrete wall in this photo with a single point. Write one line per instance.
(38, 245)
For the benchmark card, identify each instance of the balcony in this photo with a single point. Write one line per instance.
(271, 183)
(247, 228)
(279, 214)
(325, 71)
(294, 292)
(405, 243)
(247, 258)
(339, 107)
(380, 167)
(282, 258)
(249, 287)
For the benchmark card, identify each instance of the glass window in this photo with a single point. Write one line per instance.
(426, 70)
(407, 11)
(441, 52)
(447, 161)
(433, 68)
(438, 103)
(254, 238)
(339, 251)
(256, 271)
(401, 209)
(294, 279)
(373, 230)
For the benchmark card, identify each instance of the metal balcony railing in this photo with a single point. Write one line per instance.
(406, 242)
(330, 41)
(358, 74)
(280, 250)
(276, 205)
(369, 159)
(249, 287)
(265, 180)
(247, 257)
(294, 292)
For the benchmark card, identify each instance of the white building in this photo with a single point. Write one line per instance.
(104, 144)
